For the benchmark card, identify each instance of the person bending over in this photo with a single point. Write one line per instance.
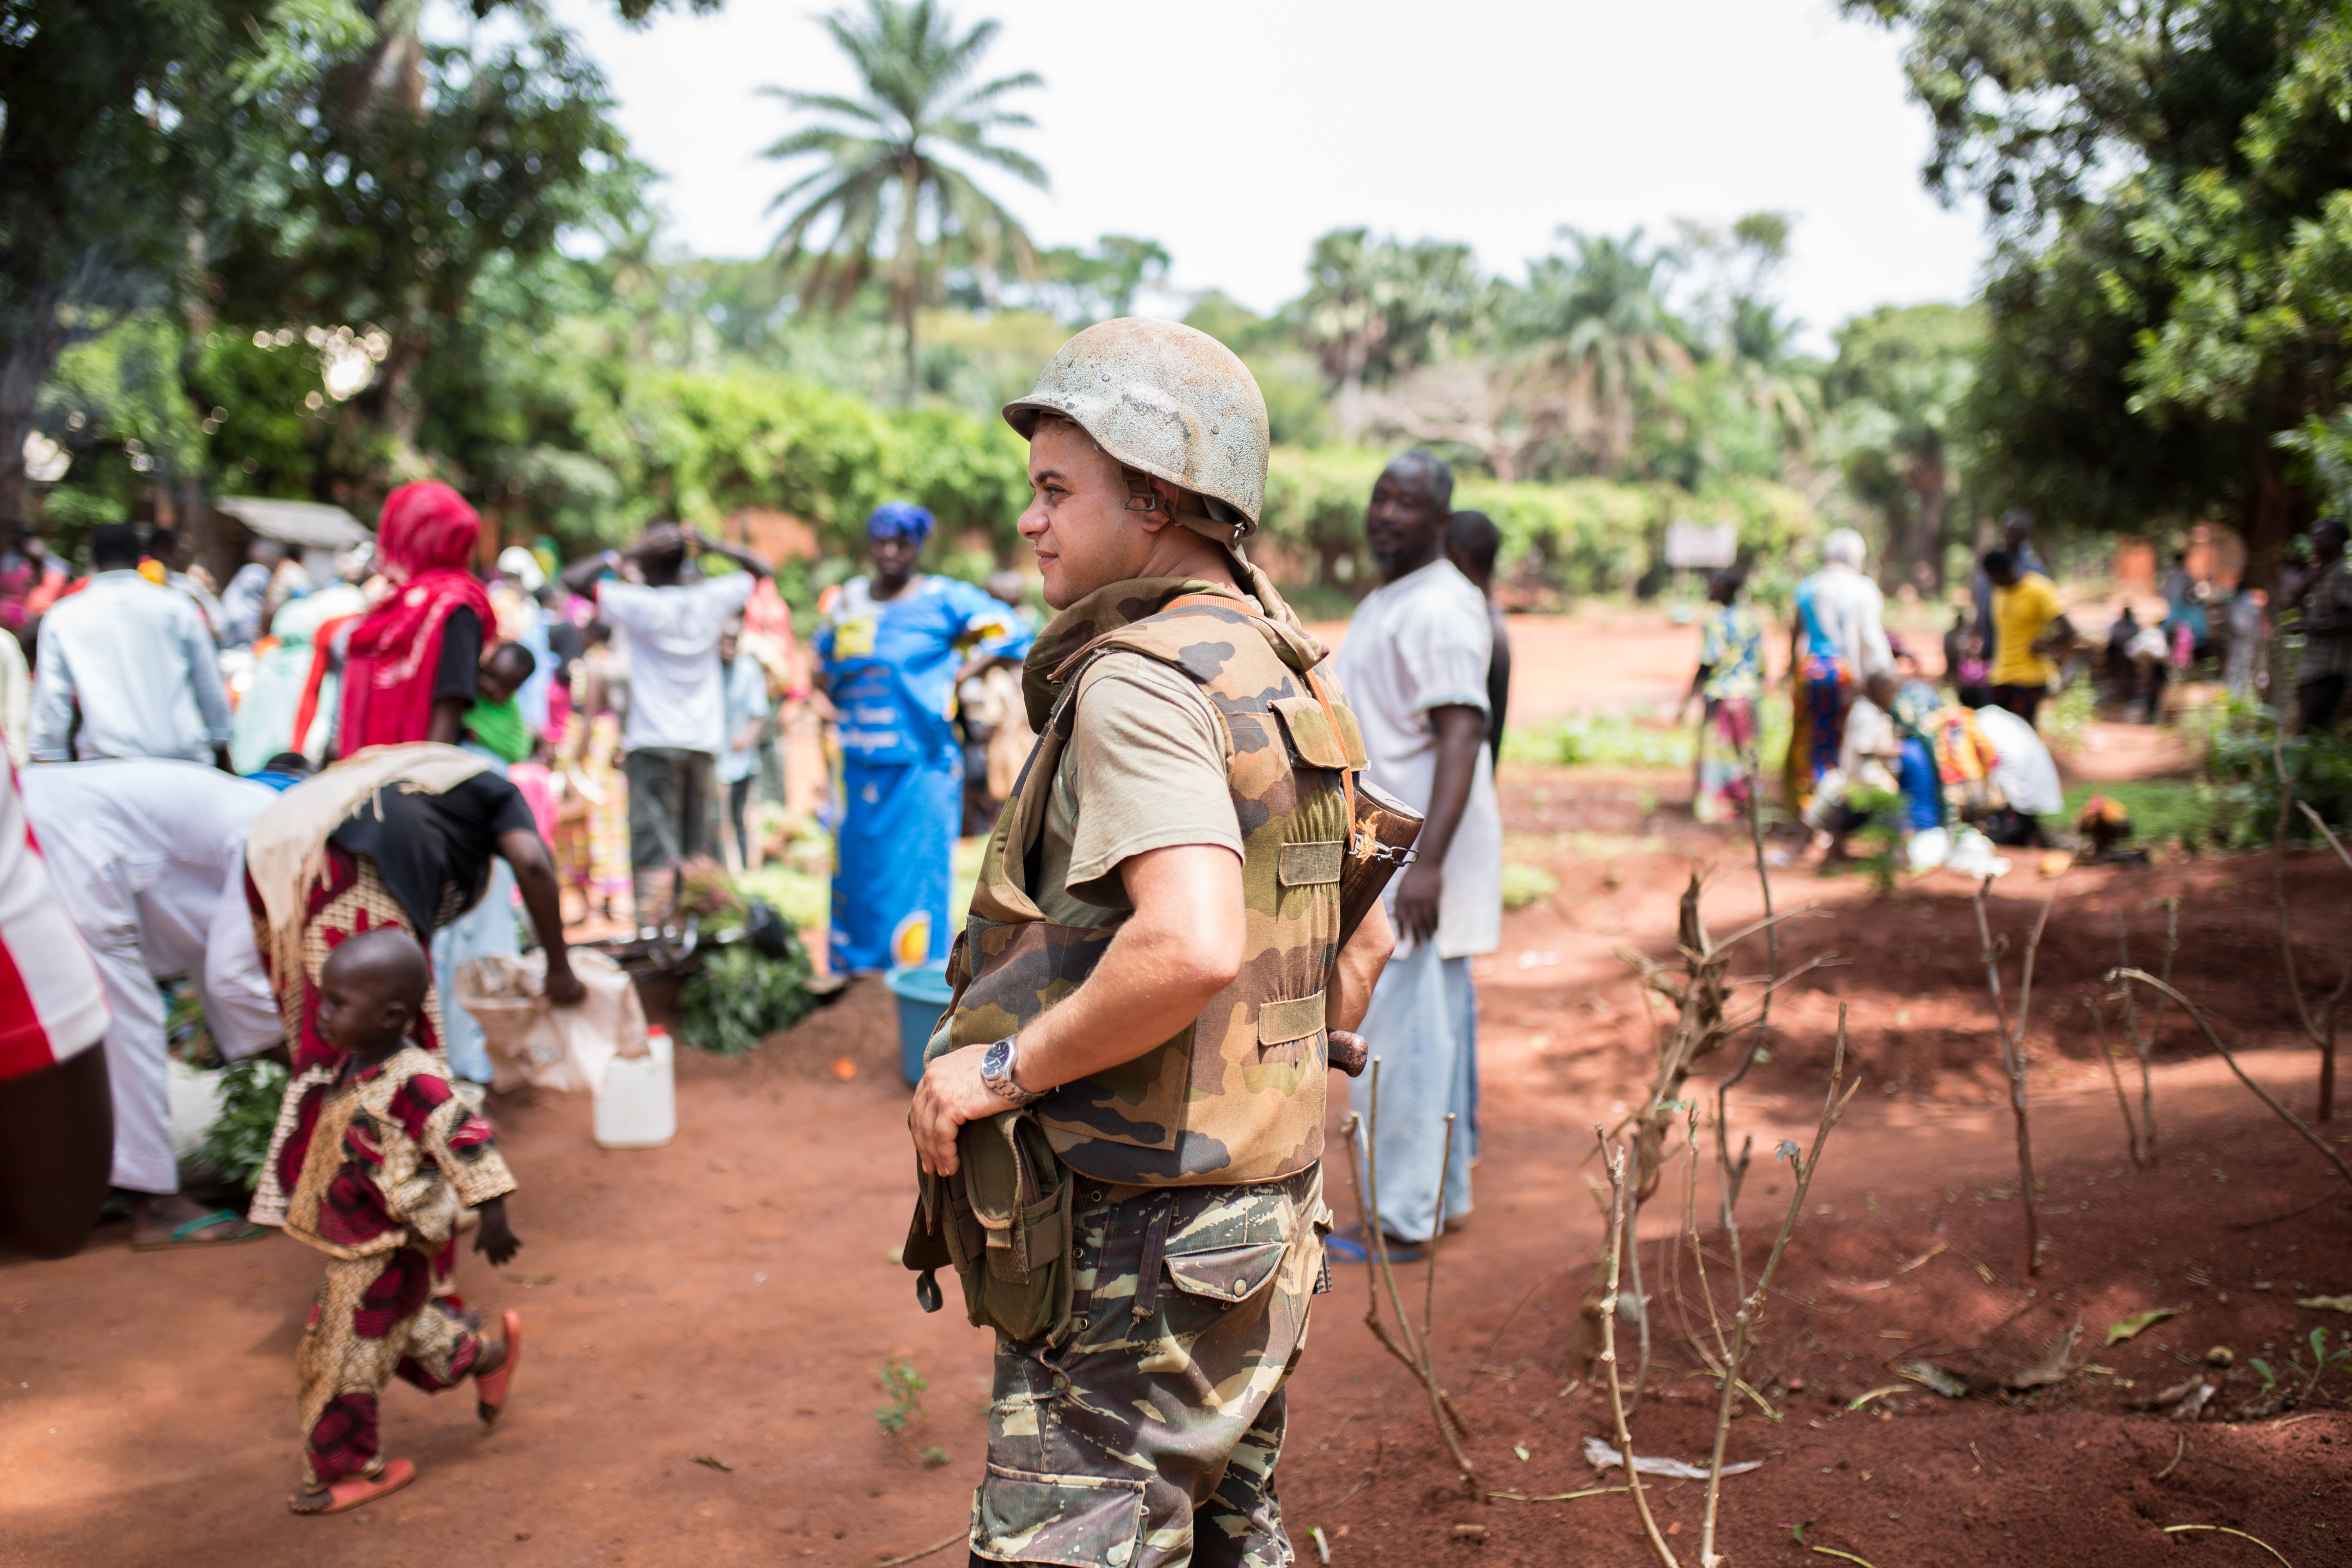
(393, 1163)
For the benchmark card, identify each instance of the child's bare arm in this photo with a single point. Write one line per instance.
(495, 1239)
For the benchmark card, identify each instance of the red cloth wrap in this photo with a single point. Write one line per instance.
(424, 539)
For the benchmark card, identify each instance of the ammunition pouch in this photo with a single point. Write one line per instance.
(1003, 1222)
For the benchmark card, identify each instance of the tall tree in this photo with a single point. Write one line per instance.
(1085, 288)
(421, 167)
(1376, 309)
(1602, 314)
(888, 180)
(1896, 394)
(131, 126)
(2169, 183)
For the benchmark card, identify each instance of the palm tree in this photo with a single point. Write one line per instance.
(1604, 315)
(882, 186)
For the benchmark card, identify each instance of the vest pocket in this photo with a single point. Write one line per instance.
(1308, 865)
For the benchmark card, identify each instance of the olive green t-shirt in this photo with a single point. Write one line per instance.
(1144, 770)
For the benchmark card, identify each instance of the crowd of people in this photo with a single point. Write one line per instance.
(318, 795)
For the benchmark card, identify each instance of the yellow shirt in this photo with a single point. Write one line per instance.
(2020, 613)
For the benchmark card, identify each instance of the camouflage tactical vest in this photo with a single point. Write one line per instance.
(1238, 1096)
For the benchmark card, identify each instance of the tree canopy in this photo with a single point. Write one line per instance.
(2168, 304)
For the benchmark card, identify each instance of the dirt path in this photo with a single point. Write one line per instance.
(730, 1298)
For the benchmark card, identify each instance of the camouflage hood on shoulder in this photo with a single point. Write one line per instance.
(1050, 662)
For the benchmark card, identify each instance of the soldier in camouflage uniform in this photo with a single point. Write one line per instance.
(1148, 981)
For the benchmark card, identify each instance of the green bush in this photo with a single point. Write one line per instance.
(2240, 761)
(1524, 885)
(739, 997)
(251, 1092)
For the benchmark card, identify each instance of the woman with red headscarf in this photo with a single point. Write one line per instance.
(409, 672)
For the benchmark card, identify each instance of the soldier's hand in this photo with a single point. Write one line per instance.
(951, 1094)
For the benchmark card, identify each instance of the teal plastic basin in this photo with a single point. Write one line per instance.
(922, 993)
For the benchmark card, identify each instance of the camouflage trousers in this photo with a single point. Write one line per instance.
(1147, 1436)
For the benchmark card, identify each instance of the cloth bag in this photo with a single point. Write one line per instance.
(533, 1041)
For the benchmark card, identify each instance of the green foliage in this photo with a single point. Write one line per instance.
(1524, 884)
(1637, 739)
(903, 1386)
(1619, 741)
(1879, 839)
(1080, 289)
(1897, 395)
(125, 119)
(739, 997)
(889, 177)
(250, 1095)
(2241, 762)
(2153, 335)
(803, 898)
(1376, 307)
(2162, 810)
(1573, 537)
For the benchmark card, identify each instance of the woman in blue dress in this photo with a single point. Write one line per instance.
(893, 644)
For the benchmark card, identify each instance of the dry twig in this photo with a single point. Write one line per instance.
(2122, 1101)
(2142, 1043)
(2320, 1029)
(1743, 1322)
(2013, 1054)
(1698, 986)
(2225, 1530)
(1416, 1353)
(961, 1535)
(2289, 1116)
(1618, 1216)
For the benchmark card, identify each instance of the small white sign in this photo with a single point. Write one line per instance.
(1698, 544)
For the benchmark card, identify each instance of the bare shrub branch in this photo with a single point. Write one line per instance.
(1743, 1322)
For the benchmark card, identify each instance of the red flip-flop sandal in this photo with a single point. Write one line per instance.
(353, 1490)
(490, 1393)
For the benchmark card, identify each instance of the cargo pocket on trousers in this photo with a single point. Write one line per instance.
(1227, 1273)
(1082, 1521)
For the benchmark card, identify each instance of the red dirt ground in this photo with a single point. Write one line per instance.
(731, 1297)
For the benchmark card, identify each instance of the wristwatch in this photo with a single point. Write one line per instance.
(997, 1072)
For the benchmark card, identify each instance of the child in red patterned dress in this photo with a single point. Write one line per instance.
(393, 1161)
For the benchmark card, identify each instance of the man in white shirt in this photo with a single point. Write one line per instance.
(136, 658)
(1415, 665)
(148, 858)
(678, 720)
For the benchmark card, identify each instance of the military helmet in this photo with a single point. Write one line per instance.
(1164, 398)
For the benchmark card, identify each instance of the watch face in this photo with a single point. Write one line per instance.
(999, 1056)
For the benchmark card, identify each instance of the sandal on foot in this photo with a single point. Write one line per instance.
(1347, 1247)
(353, 1490)
(185, 1233)
(490, 1392)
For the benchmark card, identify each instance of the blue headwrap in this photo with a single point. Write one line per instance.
(899, 519)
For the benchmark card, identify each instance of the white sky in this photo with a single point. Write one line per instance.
(1233, 132)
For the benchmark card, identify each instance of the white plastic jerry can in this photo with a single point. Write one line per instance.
(638, 1106)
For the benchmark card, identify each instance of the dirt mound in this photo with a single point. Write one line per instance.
(1908, 1259)
(1908, 966)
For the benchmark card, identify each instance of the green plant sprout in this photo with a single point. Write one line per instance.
(905, 1387)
